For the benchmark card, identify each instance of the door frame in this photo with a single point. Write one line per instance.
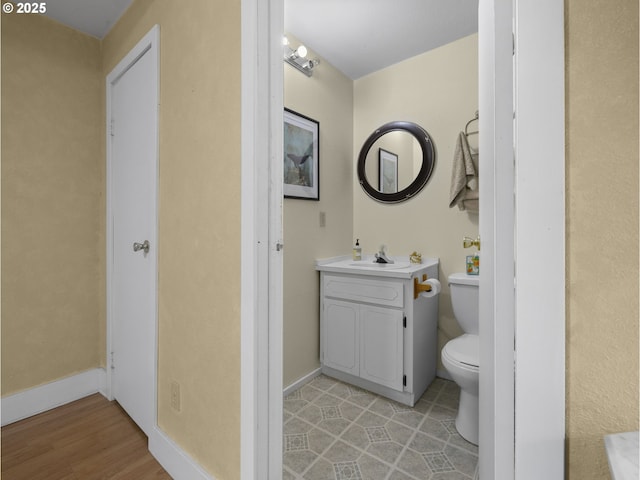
(149, 45)
(496, 228)
(539, 239)
(536, 242)
(261, 312)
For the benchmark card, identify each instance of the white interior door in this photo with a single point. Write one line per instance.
(132, 200)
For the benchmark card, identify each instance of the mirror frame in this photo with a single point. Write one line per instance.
(428, 162)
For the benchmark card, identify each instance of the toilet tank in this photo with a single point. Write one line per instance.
(464, 300)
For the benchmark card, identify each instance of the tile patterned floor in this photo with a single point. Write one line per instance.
(335, 431)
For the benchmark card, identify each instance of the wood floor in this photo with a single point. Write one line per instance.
(84, 440)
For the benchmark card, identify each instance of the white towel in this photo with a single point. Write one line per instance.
(464, 177)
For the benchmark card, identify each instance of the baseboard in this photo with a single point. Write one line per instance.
(301, 381)
(60, 392)
(173, 459)
(51, 395)
(440, 372)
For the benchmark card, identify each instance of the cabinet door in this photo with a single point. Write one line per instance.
(381, 346)
(340, 342)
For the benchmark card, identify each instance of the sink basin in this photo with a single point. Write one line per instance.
(380, 266)
(402, 268)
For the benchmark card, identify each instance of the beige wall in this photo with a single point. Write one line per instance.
(602, 229)
(199, 220)
(326, 97)
(431, 90)
(53, 207)
(439, 91)
(52, 201)
(53, 197)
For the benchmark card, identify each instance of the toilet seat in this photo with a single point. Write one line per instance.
(464, 349)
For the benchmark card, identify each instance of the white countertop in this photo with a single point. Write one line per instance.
(622, 451)
(401, 268)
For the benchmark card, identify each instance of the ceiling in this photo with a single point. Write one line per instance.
(362, 36)
(356, 36)
(93, 17)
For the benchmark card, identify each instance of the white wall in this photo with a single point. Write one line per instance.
(439, 91)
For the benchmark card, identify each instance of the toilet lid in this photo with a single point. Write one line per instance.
(464, 349)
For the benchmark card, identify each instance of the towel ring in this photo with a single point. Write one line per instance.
(474, 119)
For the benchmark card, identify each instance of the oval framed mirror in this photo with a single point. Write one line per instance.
(395, 162)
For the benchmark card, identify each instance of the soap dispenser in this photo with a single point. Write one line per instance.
(473, 264)
(357, 250)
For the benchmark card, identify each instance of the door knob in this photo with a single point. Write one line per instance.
(142, 246)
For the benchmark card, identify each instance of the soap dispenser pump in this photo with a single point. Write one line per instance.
(357, 250)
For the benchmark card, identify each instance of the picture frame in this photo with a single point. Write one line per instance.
(301, 162)
(387, 171)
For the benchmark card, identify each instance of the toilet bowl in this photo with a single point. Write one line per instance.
(460, 358)
(461, 355)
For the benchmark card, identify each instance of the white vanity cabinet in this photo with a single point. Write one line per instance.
(382, 346)
(364, 340)
(341, 335)
(373, 333)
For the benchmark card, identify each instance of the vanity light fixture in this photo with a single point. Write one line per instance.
(297, 58)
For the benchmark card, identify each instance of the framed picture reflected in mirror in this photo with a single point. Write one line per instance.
(388, 171)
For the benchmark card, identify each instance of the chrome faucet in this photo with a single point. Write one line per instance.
(381, 256)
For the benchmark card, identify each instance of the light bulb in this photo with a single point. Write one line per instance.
(302, 51)
(285, 40)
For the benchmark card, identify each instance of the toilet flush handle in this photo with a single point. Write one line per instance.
(470, 242)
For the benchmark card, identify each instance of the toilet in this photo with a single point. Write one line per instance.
(460, 356)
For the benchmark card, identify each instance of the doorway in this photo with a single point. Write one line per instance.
(418, 89)
(539, 93)
(132, 183)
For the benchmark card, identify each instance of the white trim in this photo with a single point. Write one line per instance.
(50, 395)
(496, 399)
(273, 210)
(540, 241)
(249, 241)
(301, 381)
(292, 387)
(149, 43)
(261, 264)
(173, 459)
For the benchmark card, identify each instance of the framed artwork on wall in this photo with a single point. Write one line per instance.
(301, 156)
(388, 171)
